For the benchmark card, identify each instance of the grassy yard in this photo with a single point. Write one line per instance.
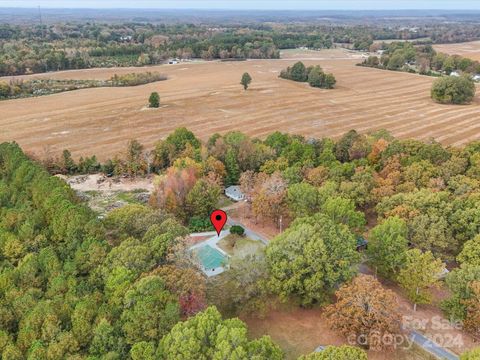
(239, 246)
(224, 201)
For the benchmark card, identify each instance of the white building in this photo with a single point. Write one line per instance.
(234, 193)
(443, 274)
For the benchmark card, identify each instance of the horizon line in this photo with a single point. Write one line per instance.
(230, 9)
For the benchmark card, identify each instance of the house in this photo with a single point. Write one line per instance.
(234, 193)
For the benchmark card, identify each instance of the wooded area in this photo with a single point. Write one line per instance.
(39, 48)
(91, 282)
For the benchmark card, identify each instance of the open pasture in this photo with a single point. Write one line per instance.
(207, 98)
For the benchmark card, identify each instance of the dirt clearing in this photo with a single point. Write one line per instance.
(300, 331)
(104, 194)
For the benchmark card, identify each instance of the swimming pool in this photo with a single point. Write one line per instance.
(211, 260)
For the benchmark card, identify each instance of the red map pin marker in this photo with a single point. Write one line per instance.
(218, 219)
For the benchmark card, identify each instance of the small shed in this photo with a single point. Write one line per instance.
(362, 243)
(443, 274)
(234, 193)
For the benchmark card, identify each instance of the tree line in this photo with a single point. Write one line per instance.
(15, 89)
(33, 48)
(423, 59)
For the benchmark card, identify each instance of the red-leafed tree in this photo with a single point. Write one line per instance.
(187, 284)
(172, 189)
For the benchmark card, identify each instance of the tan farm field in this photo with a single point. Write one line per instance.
(207, 98)
(467, 49)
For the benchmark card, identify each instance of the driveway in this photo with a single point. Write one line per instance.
(248, 233)
(431, 347)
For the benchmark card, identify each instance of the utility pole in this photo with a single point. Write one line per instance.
(415, 304)
(148, 158)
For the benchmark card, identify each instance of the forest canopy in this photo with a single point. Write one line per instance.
(74, 285)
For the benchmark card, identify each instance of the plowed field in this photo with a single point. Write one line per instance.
(207, 98)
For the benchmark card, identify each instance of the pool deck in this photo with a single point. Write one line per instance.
(212, 242)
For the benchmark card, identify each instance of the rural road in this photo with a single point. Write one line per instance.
(431, 347)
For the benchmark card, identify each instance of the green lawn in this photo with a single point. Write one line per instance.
(224, 201)
(131, 197)
(239, 246)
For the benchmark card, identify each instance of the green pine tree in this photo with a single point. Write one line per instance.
(233, 171)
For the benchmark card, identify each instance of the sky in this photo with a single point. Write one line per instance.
(251, 4)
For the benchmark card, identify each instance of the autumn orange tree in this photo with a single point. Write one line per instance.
(248, 180)
(377, 148)
(270, 198)
(387, 179)
(365, 312)
(472, 305)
